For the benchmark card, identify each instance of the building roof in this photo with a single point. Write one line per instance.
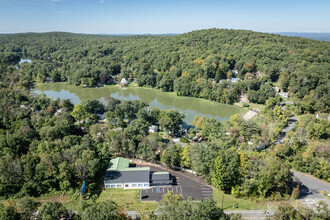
(161, 178)
(134, 176)
(118, 163)
(123, 81)
(250, 114)
(122, 164)
(233, 80)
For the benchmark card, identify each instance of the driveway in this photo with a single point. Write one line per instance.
(181, 185)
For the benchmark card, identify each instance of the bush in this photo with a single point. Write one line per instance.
(184, 140)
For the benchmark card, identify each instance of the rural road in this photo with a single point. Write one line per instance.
(246, 214)
(292, 121)
(310, 189)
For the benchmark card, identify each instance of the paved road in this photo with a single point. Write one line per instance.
(310, 189)
(292, 121)
(246, 214)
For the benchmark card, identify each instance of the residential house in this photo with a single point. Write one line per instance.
(48, 79)
(284, 94)
(123, 82)
(153, 128)
(234, 80)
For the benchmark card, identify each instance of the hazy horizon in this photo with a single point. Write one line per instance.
(271, 32)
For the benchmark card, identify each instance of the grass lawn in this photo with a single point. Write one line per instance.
(243, 204)
(127, 199)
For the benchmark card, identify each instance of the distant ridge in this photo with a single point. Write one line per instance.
(127, 35)
(314, 36)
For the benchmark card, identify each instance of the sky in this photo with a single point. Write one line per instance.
(163, 16)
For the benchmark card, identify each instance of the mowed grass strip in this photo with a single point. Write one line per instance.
(127, 199)
(242, 204)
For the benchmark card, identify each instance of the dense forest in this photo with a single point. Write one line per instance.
(190, 64)
(52, 145)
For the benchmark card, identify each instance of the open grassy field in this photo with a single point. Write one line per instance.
(127, 199)
(242, 204)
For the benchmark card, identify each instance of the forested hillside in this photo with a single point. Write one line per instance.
(52, 146)
(190, 64)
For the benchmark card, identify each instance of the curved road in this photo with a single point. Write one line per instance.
(310, 189)
(292, 121)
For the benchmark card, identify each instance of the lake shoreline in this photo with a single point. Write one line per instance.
(153, 97)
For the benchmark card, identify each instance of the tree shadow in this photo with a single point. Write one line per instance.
(304, 191)
(111, 175)
(175, 182)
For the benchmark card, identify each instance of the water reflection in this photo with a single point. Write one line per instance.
(190, 106)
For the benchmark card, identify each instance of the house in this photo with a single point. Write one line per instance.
(234, 72)
(249, 115)
(59, 111)
(153, 128)
(101, 116)
(284, 94)
(261, 146)
(48, 79)
(123, 82)
(120, 175)
(277, 89)
(234, 80)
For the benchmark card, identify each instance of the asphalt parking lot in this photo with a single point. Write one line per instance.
(181, 185)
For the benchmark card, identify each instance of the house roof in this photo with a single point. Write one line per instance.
(123, 81)
(114, 176)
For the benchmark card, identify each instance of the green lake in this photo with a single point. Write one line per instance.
(154, 98)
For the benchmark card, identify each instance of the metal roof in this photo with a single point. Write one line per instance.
(122, 164)
(162, 176)
(118, 163)
(113, 176)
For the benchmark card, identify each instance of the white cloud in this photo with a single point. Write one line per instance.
(102, 1)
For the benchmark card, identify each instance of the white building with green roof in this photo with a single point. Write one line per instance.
(120, 175)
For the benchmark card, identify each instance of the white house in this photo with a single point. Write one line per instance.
(153, 128)
(234, 80)
(123, 82)
(284, 94)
